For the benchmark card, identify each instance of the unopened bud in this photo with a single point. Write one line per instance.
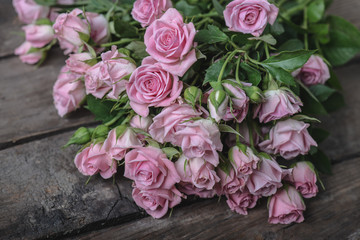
(217, 104)
(100, 131)
(192, 95)
(81, 136)
(254, 93)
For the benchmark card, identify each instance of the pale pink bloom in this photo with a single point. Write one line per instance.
(152, 86)
(29, 11)
(250, 16)
(170, 120)
(68, 92)
(241, 201)
(171, 42)
(244, 161)
(25, 57)
(304, 178)
(147, 11)
(230, 183)
(240, 104)
(315, 71)
(94, 159)
(288, 138)
(286, 207)
(76, 62)
(278, 104)
(156, 202)
(150, 168)
(38, 35)
(99, 27)
(142, 123)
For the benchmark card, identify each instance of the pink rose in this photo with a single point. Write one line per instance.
(25, 57)
(94, 159)
(28, 11)
(197, 171)
(315, 71)
(150, 168)
(241, 201)
(244, 131)
(230, 183)
(289, 138)
(265, 180)
(240, 103)
(152, 86)
(218, 102)
(277, 104)
(304, 178)
(250, 16)
(99, 27)
(54, 11)
(200, 139)
(147, 11)
(119, 141)
(169, 121)
(156, 202)
(170, 42)
(76, 62)
(243, 160)
(67, 27)
(190, 189)
(286, 206)
(108, 75)
(38, 35)
(68, 92)
(142, 123)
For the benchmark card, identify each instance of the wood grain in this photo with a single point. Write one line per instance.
(333, 214)
(43, 195)
(26, 102)
(348, 9)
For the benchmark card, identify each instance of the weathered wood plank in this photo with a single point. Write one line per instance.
(43, 195)
(348, 9)
(333, 214)
(26, 100)
(10, 29)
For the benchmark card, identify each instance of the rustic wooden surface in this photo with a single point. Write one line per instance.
(43, 196)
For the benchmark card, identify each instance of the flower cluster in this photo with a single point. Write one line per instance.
(213, 101)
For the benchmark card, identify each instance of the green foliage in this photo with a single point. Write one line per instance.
(125, 29)
(212, 35)
(316, 10)
(252, 75)
(187, 9)
(219, 9)
(212, 73)
(321, 162)
(102, 109)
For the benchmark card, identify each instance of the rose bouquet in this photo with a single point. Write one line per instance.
(206, 98)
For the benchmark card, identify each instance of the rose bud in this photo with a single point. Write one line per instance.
(158, 88)
(76, 62)
(174, 52)
(100, 131)
(81, 136)
(200, 139)
(147, 11)
(38, 35)
(197, 171)
(230, 183)
(243, 160)
(119, 141)
(217, 104)
(277, 104)
(68, 92)
(265, 180)
(170, 120)
(240, 103)
(94, 159)
(29, 11)
(315, 71)
(304, 178)
(288, 138)
(150, 168)
(250, 16)
(254, 93)
(286, 206)
(25, 56)
(69, 29)
(156, 202)
(241, 201)
(193, 95)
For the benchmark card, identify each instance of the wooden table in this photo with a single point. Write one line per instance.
(43, 196)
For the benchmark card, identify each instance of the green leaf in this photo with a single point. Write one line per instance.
(316, 11)
(268, 38)
(322, 92)
(321, 32)
(100, 108)
(277, 28)
(253, 75)
(212, 35)
(46, 2)
(344, 41)
(187, 9)
(138, 48)
(289, 61)
(140, 131)
(125, 29)
(291, 45)
(334, 81)
(319, 134)
(43, 21)
(170, 152)
(304, 118)
(321, 162)
(311, 104)
(334, 102)
(84, 37)
(219, 9)
(280, 74)
(212, 73)
(228, 129)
